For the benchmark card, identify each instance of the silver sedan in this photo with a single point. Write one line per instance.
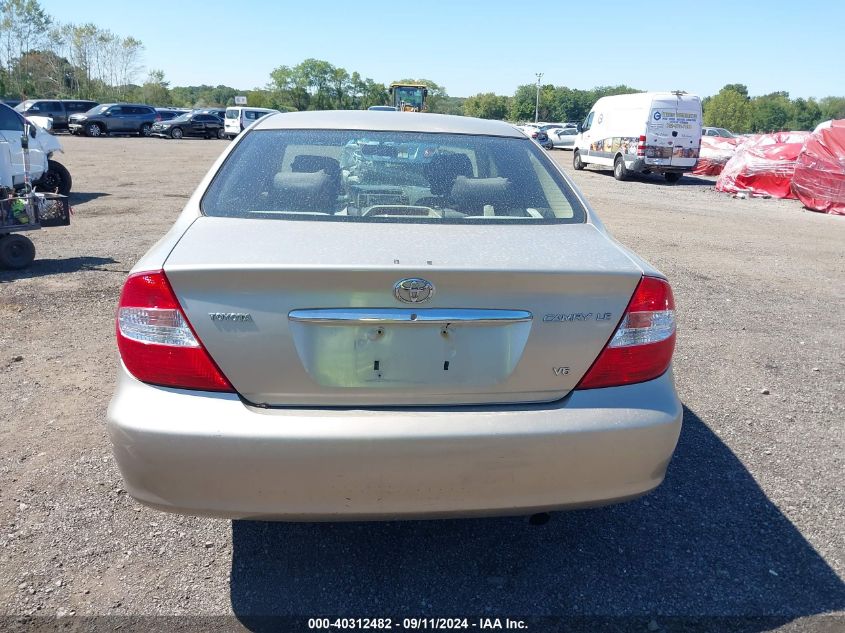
(563, 138)
(365, 315)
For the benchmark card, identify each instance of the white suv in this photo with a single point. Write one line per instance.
(238, 118)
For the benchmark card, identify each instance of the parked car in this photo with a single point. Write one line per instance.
(218, 112)
(563, 138)
(114, 118)
(190, 124)
(59, 109)
(533, 131)
(165, 114)
(717, 131)
(238, 118)
(46, 174)
(548, 127)
(44, 122)
(289, 353)
(643, 132)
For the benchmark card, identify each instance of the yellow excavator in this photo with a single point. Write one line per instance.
(409, 97)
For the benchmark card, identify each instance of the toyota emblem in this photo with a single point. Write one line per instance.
(413, 290)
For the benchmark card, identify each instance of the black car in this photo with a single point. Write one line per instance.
(218, 112)
(114, 118)
(165, 114)
(190, 124)
(60, 109)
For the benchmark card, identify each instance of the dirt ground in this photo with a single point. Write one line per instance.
(748, 523)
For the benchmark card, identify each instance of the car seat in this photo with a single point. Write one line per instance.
(310, 163)
(302, 191)
(441, 174)
(472, 195)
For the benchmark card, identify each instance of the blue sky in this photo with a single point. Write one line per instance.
(476, 46)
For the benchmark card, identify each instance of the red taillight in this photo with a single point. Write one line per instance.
(641, 146)
(642, 345)
(157, 343)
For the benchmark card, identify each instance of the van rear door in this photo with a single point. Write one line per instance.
(674, 131)
(688, 127)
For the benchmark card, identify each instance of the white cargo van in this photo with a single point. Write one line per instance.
(643, 132)
(238, 118)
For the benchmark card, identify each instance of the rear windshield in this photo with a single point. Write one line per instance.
(348, 175)
(232, 113)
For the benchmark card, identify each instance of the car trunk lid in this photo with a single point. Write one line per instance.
(306, 313)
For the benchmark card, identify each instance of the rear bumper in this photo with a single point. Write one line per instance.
(640, 164)
(209, 454)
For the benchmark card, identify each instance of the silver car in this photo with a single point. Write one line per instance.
(563, 138)
(365, 315)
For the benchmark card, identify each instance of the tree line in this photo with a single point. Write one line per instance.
(40, 57)
(734, 109)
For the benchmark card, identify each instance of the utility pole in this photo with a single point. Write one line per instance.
(537, 104)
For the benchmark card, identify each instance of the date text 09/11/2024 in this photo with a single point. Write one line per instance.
(417, 624)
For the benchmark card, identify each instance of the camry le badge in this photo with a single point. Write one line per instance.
(236, 317)
(413, 290)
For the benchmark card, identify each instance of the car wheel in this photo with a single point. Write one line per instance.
(620, 172)
(16, 251)
(146, 128)
(672, 177)
(577, 163)
(221, 133)
(56, 179)
(94, 129)
(176, 133)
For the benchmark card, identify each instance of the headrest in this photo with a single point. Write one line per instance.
(304, 184)
(443, 169)
(473, 193)
(307, 163)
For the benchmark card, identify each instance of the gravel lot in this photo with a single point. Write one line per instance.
(749, 521)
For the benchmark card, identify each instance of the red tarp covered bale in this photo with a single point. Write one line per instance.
(716, 151)
(819, 180)
(763, 166)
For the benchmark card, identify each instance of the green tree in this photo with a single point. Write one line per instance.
(486, 106)
(806, 114)
(740, 88)
(366, 92)
(44, 74)
(522, 103)
(729, 109)
(832, 108)
(155, 89)
(772, 112)
(24, 26)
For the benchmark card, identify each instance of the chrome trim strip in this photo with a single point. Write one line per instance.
(367, 316)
